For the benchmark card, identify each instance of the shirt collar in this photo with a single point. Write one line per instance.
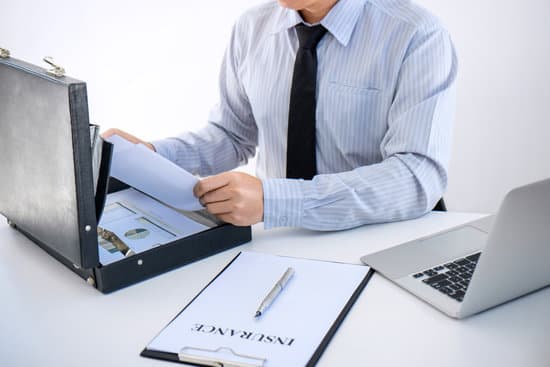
(340, 21)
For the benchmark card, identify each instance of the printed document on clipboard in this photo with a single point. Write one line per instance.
(219, 328)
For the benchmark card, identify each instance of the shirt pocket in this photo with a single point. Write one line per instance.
(355, 118)
(344, 88)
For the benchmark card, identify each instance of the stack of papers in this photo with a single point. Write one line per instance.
(150, 213)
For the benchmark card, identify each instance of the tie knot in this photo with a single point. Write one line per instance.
(309, 37)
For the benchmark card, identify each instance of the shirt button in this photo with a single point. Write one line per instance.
(283, 220)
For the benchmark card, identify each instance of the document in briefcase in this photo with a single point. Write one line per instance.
(55, 183)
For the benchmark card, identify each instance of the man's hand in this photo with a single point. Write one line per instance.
(129, 137)
(234, 197)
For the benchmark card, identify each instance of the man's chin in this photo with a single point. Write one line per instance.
(290, 4)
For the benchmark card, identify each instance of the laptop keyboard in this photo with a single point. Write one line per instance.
(451, 278)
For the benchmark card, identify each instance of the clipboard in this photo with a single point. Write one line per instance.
(187, 340)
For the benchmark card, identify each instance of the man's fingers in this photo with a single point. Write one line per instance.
(109, 133)
(125, 136)
(129, 137)
(215, 196)
(132, 139)
(227, 218)
(210, 183)
(234, 197)
(233, 219)
(221, 207)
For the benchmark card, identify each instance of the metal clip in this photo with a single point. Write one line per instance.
(4, 53)
(115, 241)
(221, 357)
(57, 70)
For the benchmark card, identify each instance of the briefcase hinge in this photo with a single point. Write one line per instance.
(57, 70)
(4, 53)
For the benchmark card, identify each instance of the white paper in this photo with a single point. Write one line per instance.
(290, 330)
(151, 173)
(129, 210)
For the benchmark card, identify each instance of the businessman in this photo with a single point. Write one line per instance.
(350, 105)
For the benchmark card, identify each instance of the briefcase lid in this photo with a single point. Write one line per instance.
(46, 188)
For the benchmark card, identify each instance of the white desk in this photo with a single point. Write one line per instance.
(51, 317)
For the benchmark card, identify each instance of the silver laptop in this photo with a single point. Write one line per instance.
(481, 264)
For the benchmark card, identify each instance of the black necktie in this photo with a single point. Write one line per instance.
(300, 153)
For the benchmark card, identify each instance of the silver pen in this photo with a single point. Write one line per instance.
(277, 288)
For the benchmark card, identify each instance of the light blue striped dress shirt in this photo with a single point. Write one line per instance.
(385, 108)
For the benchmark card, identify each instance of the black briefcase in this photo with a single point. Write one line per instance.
(53, 186)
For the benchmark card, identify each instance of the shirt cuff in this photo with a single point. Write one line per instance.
(166, 148)
(283, 202)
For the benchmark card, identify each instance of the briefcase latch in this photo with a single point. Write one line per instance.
(4, 53)
(57, 70)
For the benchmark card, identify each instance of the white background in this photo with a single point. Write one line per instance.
(152, 67)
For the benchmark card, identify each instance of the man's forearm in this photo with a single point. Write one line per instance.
(209, 151)
(401, 187)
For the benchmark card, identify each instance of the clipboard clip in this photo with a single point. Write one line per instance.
(115, 241)
(221, 357)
